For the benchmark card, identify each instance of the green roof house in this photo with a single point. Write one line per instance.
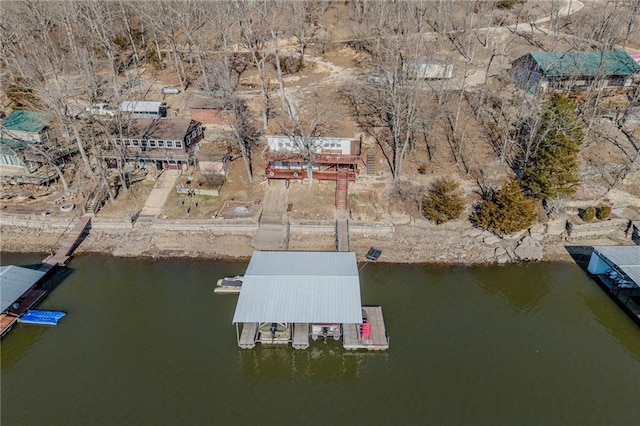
(542, 71)
(19, 129)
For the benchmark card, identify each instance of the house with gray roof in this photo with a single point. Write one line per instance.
(549, 71)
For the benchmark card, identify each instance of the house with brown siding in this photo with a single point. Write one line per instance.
(168, 143)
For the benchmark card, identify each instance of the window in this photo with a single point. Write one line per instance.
(188, 139)
(144, 143)
(169, 144)
(135, 142)
(127, 142)
(178, 144)
(160, 144)
(152, 144)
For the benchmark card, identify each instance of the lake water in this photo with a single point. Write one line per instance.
(147, 342)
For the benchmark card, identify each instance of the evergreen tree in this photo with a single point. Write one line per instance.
(443, 202)
(552, 170)
(508, 211)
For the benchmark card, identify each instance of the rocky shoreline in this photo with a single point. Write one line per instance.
(407, 241)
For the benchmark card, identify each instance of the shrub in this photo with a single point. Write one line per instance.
(508, 211)
(552, 169)
(588, 214)
(603, 212)
(443, 201)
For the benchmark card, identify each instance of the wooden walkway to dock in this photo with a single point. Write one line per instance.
(379, 341)
(68, 245)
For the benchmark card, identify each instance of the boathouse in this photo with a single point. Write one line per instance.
(618, 269)
(288, 297)
(17, 293)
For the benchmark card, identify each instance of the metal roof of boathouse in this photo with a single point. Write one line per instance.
(302, 287)
(627, 258)
(14, 282)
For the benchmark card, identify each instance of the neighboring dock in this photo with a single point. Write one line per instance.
(618, 270)
(21, 289)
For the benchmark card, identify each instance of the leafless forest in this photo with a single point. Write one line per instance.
(262, 60)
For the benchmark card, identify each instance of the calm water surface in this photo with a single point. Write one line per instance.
(148, 342)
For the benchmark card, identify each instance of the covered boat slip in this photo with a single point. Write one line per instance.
(14, 282)
(618, 269)
(17, 293)
(287, 294)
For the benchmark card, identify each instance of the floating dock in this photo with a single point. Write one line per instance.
(23, 292)
(353, 338)
(289, 297)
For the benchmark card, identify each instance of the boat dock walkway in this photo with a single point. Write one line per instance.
(68, 245)
(377, 340)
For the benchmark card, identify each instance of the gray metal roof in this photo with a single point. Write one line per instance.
(627, 258)
(307, 287)
(14, 282)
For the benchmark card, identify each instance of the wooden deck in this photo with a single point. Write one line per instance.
(248, 336)
(379, 341)
(301, 335)
(6, 322)
(69, 244)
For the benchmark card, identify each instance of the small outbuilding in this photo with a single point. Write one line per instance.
(428, 70)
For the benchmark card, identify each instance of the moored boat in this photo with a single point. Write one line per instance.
(229, 284)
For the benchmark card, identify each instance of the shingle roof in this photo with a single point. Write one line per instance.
(25, 121)
(306, 287)
(557, 64)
